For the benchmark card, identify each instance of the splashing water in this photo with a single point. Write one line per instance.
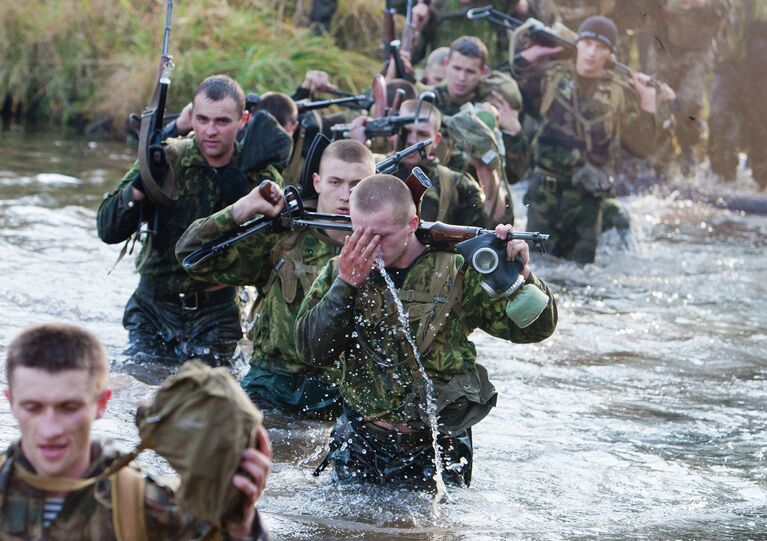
(431, 407)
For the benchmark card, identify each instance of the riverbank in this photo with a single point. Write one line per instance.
(80, 62)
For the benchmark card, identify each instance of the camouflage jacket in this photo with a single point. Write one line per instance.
(583, 120)
(252, 261)
(362, 326)
(460, 201)
(87, 513)
(202, 190)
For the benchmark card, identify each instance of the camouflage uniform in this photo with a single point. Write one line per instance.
(688, 38)
(170, 317)
(87, 513)
(382, 380)
(282, 266)
(582, 123)
(453, 198)
(738, 115)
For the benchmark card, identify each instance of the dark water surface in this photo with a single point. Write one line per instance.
(644, 417)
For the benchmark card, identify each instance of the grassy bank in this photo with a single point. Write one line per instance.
(78, 61)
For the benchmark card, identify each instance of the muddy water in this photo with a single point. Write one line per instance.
(644, 417)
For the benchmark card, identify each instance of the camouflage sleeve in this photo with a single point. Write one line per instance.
(245, 263)
(530, 77)
(119, 215)
(490, 315)
(638, 127)
(166, 522)
(325, 318)
(471, 203)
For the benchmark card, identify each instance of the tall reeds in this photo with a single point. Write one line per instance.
(78, 61)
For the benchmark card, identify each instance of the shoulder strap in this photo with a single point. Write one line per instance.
(128, 487)
(440, 318)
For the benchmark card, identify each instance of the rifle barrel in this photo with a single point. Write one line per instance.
(166, 39)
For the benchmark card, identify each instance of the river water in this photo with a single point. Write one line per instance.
(643, 417)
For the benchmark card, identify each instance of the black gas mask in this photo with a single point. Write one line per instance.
(486, 254)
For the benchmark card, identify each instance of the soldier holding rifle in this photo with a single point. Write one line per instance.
(351, 315)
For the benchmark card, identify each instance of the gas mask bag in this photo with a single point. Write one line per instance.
(201, 421)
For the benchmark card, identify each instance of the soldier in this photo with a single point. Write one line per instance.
(57, 387)
(585, 111)
(171, 317)
(283, 266)
(384, 435)
(469, 80)
(738, 115)
(434, 70)
(687, 31)
(455, 197)
(441, 21)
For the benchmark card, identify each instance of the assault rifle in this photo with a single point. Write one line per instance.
(391, 45)
(294, 217)
(354, 101)
(390, 164)
(542, 35)
(386, 125)
(153, 166)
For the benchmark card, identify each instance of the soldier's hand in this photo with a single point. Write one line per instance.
(255, 465)
(421, 15)
(522, 8)
(646, 92)
(265, 199)
(358, 255)
(318, 81)
(508, 117)
(515, 248)
(666, 93)
(357, 129)
(184, 120)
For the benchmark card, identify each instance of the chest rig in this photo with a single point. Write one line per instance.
(377, 318)
(592, 120)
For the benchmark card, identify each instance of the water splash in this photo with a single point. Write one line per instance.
(431, 407)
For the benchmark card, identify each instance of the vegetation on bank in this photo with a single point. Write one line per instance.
(77, 62)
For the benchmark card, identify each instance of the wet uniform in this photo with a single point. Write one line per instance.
(582, 121)
(282, 266)
(170, 317)
(384, 435)
(87, 513)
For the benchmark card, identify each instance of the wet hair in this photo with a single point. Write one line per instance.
(218, 87)
(437, 56)
(280, 106)
(470, 46)
(409, 107)
(379, 191)
(55, 347)
(394, 85)
(349, 151)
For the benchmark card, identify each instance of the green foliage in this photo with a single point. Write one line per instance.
(77, 61)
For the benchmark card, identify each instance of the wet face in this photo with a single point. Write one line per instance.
(592, 56)
(215, 125)
(55, 413)
(463, 74)
(398, 242)
(335, 181)
(418, 132)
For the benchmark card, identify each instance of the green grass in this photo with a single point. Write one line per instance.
(78, 61)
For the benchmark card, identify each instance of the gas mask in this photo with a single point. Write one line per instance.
(501, 278)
